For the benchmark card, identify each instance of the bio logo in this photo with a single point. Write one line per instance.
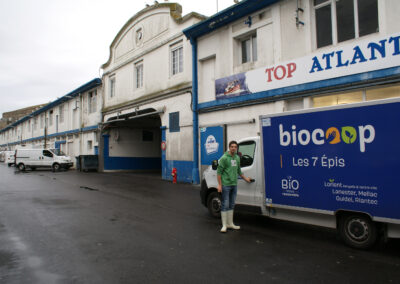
(290, 184)
(348, 135)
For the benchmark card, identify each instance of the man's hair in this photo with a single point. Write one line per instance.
(233, 142)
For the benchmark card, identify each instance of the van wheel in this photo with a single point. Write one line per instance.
(21, 167)
(214, 204)
(56, 167)
(9, 164)
(358, 231)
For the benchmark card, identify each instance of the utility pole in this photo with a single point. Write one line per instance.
(45, 131)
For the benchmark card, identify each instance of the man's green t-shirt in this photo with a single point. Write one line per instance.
(229, 169)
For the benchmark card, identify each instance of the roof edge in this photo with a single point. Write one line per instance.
(226, 16)
(175, 12)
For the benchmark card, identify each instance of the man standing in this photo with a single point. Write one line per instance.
(228, 172)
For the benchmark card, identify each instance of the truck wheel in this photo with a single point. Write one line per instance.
(21, 167)
(56, 167)
(358, 231)
(214, 204)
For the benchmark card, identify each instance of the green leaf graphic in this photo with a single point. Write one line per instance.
(349, 134)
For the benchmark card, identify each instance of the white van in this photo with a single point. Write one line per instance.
(9, 158)
(41, 158)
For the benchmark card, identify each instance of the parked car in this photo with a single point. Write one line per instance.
(42, 158)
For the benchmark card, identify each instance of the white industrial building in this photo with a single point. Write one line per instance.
(147, 114)
(176, 89)
(263, 57)
(69, 123)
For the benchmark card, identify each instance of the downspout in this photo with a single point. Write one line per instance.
(195, 170)
(80, 124)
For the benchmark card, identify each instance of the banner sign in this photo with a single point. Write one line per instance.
(345, 158)
(212, 144)
(362, 56)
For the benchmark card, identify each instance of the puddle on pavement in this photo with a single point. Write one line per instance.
(9, 266)
(17, 172)
(89, 188)
(8, 260)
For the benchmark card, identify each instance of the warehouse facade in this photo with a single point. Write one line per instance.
(147, 116)
(69, 123)
(262, 57)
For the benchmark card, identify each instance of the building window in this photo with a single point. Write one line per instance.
(92, 101)
(139, 75)
(112, 87)
(50, 118)
(139, 36)
(35, 123)
(42, 121)
(357, 96)
(249, 48)
(338, 99)
(177, 60)
(90, 145)
(61, 111)
(174, 122)
(383, 93)
(338, 21)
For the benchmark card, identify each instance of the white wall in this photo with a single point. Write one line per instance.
(128, 143)
(160, 33)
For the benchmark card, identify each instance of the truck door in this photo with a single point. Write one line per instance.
(47, 158)
(246, 191)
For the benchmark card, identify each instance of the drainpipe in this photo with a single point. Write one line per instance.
(80, 135)
(195, 171)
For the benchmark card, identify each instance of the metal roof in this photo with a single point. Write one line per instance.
(226, 16)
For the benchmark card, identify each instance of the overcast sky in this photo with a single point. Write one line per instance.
(48, 48)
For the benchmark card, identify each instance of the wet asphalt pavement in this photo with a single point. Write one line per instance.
(72, 227)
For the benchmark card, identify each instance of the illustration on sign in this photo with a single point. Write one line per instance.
(211, 145)
(231, 86)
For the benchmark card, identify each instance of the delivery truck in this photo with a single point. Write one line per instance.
(335, 167)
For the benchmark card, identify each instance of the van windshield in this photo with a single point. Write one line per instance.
(58, 152)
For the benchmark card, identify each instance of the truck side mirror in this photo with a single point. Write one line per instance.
(214, 164)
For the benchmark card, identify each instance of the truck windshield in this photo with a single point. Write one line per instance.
(246, 153)
(58, 152)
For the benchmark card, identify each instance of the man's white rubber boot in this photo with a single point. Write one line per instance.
(230, 224)
(224, 217)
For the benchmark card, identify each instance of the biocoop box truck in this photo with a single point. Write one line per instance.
(335, 167)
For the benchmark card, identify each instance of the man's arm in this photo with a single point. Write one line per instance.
(247, 179)
(219, 188)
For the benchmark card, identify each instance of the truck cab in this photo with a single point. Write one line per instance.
(250, 196)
